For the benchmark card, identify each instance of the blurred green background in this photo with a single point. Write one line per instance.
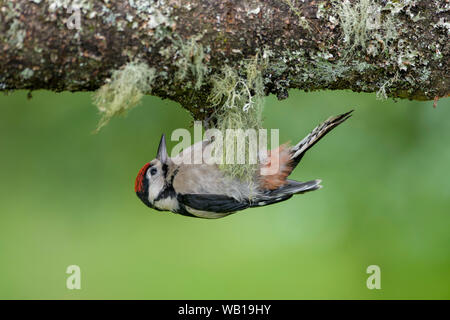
(67, 197)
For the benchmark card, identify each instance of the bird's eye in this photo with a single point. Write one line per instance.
(153, 171)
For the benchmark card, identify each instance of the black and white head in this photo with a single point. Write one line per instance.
(151, 179)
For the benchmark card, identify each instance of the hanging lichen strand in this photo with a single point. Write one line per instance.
(238, 99)
(124, 91)
(127, 85)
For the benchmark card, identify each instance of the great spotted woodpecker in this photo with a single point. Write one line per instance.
(204, 191)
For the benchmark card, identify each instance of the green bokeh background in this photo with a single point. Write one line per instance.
(66, 197)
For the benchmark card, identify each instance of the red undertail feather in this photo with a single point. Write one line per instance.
(284, 164)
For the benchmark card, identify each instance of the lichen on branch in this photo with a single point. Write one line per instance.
(238, 99)
(123, 91)
(398, 48)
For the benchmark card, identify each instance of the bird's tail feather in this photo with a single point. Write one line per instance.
(285, 159)
(286, 191)
(296, 187)
(318, 133)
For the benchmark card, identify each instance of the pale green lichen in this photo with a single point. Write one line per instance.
(27, 73)
(238, 99)
(365, 25)
(84, 5)
(124, 90)
(318, 69)
(301, 18)
(188, 56)
(253, 11)
(155, 13)
(190, 61)
(406, 56)
(328, 72)
(16, 33)
(381, 93)
(375, 29)
(320, 10)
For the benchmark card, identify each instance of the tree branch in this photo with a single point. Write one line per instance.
(395, 48)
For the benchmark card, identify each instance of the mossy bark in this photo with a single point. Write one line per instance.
(401, 52)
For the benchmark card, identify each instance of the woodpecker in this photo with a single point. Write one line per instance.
(205, 191)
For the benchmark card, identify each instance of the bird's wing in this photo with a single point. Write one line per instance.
(212, 202)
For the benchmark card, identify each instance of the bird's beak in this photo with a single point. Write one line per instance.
(162, 150)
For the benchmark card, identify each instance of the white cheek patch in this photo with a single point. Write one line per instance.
(155, 188)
